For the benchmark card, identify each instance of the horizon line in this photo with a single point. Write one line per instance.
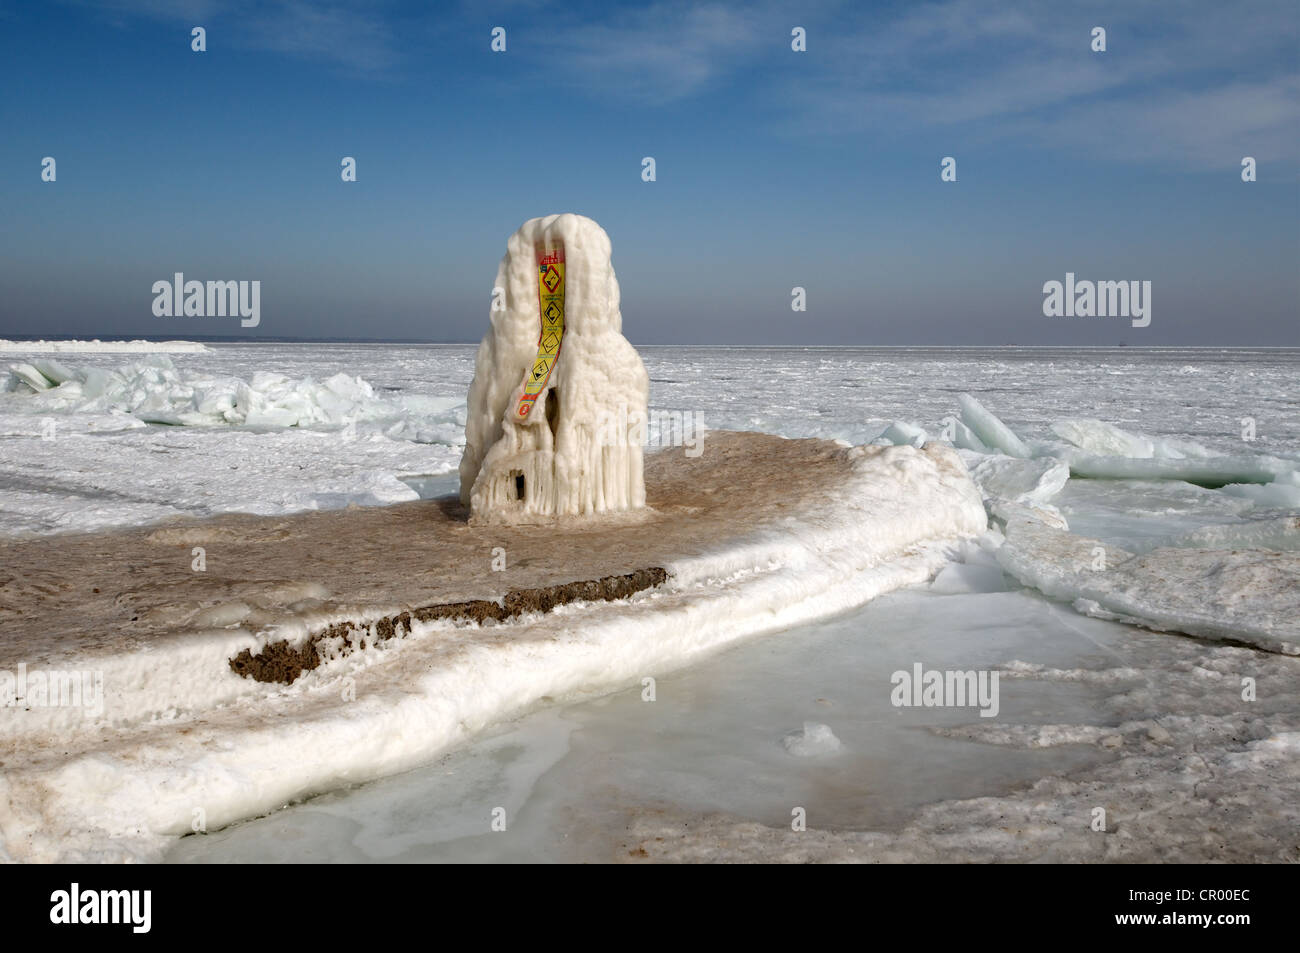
(227, 339)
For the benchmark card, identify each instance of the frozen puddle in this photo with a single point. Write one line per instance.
(573, 780)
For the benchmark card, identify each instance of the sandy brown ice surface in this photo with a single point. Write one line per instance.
(67, 595)
(151, 721)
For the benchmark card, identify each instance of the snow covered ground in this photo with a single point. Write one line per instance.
(1182, 461)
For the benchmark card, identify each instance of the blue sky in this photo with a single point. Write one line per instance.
(775, 169)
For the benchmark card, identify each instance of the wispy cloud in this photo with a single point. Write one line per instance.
(357, 36)
(660, 53)
(343, 33)
(1193, 83)
(1213, 128)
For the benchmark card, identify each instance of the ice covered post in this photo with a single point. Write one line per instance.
(557, 406)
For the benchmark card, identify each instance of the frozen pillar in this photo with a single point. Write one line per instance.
(557, 407)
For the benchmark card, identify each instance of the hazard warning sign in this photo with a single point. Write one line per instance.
(551, 278)
(550, 306)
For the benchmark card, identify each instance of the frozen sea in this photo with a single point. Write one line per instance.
(287, 427)
(92, 462)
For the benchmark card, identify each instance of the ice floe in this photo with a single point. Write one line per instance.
(989, 429)
(1237, 581)
(1210, 472)
(1242, 595)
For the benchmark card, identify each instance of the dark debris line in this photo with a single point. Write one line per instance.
(284, 663)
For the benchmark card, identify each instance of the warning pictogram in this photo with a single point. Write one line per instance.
(550, 299)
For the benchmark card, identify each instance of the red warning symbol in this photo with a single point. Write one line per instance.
(551, 279)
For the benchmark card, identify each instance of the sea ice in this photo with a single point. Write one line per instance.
(990, 430)
(1085, 719)
(155, 391)
(1103, 439)
(1283, 493)
(106, 347)
(1099, 450)
(1021, 481)
(964, 438)
(965, 578)
(900, 433)
(1242, 595)
(1210, 472)
(1265, 532)
(890, 520)
(1235, 757)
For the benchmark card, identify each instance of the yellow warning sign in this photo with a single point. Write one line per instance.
(550, 306)
(551, 278)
